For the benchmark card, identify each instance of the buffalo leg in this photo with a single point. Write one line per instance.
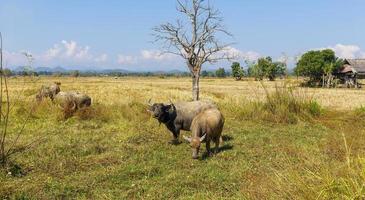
(208, 148)
(175, 139)
(176, 134)
(217, 145)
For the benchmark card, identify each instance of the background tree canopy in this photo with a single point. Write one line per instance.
(237, 71)
(221, 73)
(316, 64)
(266, 68)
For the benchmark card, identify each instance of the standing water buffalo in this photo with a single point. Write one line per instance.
(74, 99)
(178, 116)
(208, 126)
(48, 91)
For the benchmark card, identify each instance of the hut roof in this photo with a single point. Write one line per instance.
(358, 65)
(346, 69)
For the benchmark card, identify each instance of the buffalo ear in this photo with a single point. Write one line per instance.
(171, 108)
(202, 138)
(150, 108)
(168, 108)
(187, 138)
(149, 102)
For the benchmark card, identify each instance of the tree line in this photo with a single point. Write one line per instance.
(263, 68)
(319, 67)
(220, 72)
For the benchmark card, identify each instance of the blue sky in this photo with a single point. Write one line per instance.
(117, 34)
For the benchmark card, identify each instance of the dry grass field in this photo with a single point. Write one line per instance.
(115, 150)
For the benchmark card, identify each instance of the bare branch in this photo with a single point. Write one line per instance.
(5, 108)
(201, 45)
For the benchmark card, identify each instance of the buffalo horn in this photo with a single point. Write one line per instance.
(202, 138)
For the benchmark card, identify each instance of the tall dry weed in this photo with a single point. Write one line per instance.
(283, 105)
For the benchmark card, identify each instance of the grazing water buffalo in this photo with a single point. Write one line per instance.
(74, 99)
(178, 116)
(208, 126)
(48, 91)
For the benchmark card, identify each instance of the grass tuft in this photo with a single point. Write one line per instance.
(283, 105)
(97, 111)
(360, 112)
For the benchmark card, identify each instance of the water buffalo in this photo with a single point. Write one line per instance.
(208, 126)
(74, 99)
(178, 116)
(48, 91)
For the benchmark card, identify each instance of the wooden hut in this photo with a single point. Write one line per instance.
(352, 70)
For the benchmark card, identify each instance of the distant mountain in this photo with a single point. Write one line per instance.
(58, 69)
(43, 69)
(39, 69)
(106, 71)
(94, 70)
(176, 71)
(48, 69)
(20, 68)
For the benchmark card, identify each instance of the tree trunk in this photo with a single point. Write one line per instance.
(196, 78)
(329, 80)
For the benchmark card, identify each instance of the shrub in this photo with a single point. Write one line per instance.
(237, 71)
(314, 108)
(283, 105)
(266, 68)
(96, 111)
(360, 112)
(75, 73)
(221, 73)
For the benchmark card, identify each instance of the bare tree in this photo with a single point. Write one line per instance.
(29, 70)
(195, 39)
(4, 109)
(9, 147)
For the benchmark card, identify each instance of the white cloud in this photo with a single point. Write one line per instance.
(238, 54)
(12, 58)
(69, 50)
(165, 61)
(102, 58)
(157, 55)
(362, 55)
(127, 59)
(53, 52)
(283, 59)
(72, 54)
(146, 56)
(70, 47)
(68, 53)
(342, 51)
(346, 51)
(83, 53)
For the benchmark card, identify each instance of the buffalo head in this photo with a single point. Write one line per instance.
(195, 144)
(162, 112)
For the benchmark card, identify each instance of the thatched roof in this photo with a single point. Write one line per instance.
(346, 68)
(357, 65)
